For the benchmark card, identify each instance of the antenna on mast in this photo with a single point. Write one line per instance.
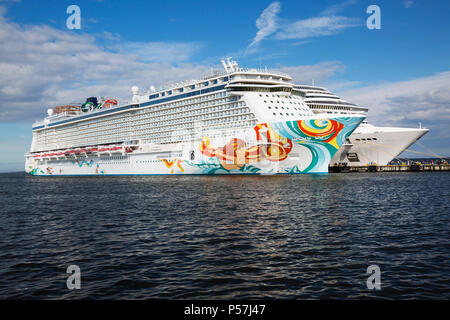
(230, 66)
(224, 65)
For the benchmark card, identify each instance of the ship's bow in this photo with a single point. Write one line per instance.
(315, 141)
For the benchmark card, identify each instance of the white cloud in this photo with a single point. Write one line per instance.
(109, 36)
(41, 67)
(335, 9)
(314, 27)
(3, 11)
(421, 99)
(327, 23)
(317, 72)
(408, 3)
(266, 22)
(406, 103)
(162, 51)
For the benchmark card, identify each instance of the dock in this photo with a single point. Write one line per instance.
(392, 168)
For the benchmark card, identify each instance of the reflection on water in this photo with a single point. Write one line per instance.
(306, 236)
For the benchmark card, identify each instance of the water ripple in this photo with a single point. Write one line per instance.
(288, 237)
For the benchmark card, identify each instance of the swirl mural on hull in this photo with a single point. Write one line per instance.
(236, 154)
(322, 137)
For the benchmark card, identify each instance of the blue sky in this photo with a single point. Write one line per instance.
(401, 72)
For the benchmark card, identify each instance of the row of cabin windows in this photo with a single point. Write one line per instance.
(332, 107)
(241, 124)
(190, 87)
(277, 96)
(260, 89)
(111, 133)
(193, 103)
(121, 118)
(121, 122)
(287, 108)
(287, 114)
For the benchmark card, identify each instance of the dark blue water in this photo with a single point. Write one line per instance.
(306, 236)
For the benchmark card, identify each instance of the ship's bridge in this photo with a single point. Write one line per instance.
(259, 76)
(259, 81)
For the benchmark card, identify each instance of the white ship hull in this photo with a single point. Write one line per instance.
(304, 146)
(370, 145)
(367, 145)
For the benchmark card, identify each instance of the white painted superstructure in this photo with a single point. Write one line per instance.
(234, 121)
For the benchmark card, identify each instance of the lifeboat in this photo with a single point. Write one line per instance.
(116, 149)
(109, 103)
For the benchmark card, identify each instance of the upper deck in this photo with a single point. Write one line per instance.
(320, 99)
(232, 78)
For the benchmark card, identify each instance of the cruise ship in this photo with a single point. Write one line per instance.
(234, 121)
(368, 144)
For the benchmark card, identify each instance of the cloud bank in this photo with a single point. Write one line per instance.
(422, 99)
(315, 27)
(406, 103)
(317, 72)
(41, 67)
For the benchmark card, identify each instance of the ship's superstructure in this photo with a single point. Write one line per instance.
(234, 121)
(368, 144)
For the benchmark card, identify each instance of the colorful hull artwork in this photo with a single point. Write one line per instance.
(289, 147)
